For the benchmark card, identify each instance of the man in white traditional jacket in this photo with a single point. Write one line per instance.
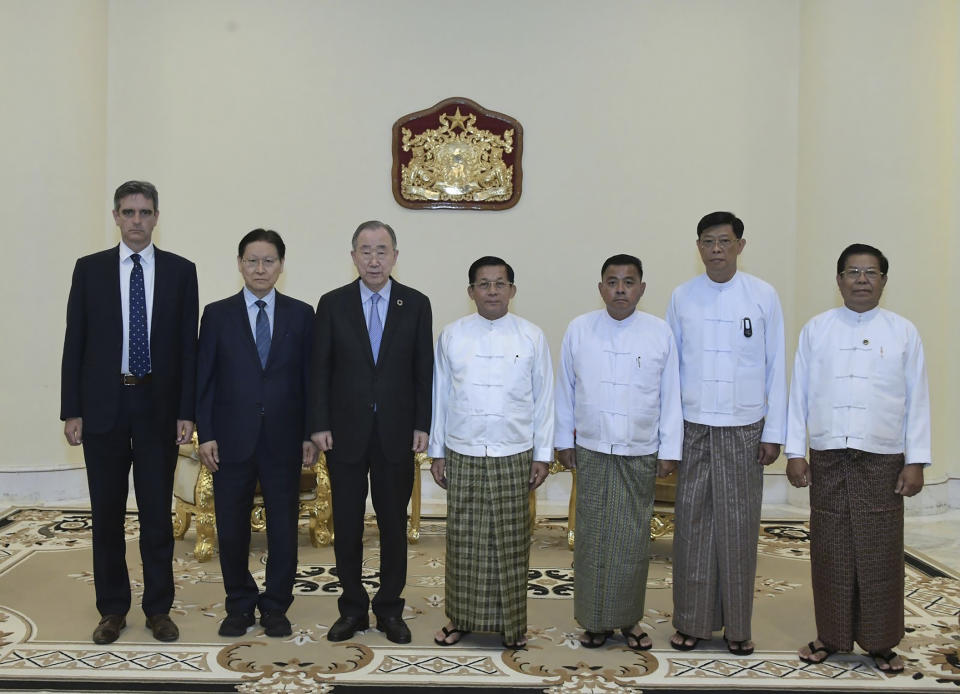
(491, 441)
(729, 331)
(618, 411)
(860, 389)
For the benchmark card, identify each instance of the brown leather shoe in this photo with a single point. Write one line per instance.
(163, 627)
(108, 630)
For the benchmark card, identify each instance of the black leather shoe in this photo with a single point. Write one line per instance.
(394, 629)
(236, 624)
(163, 627)
(275, 624)
(108, 630)
(345, 627)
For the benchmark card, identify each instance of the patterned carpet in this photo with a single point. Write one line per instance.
(47, 614)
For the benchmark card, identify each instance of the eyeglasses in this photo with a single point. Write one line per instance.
(252, 263)
(368, 254)
(855, 273)
(485, 286)
(724, 243)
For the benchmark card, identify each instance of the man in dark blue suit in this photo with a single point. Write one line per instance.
(252, 379)
(127, 395)
(370, 412)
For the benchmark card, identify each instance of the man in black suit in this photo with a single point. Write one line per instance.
(127, 395)
(372, 371)
(253, 371)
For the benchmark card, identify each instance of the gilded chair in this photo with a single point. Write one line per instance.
(194, 499)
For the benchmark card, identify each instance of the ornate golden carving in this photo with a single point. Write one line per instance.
(457, 155)
(320, 511)
(413, 523)
(202, 510)
(447, 165)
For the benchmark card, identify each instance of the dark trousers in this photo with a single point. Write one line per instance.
(391, 482)
(150, 446)
(233, 488)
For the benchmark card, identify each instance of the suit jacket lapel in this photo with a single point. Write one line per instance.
(242, 319)
(159, 286)
(360, 321)
(394, 315)
(112, 274)
(280, 319)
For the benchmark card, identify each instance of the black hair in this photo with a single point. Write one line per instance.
(716, 219)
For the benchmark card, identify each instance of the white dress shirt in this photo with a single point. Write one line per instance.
(492, 389)
(859, 381)
(618, 386)
(732, 362)
(251, 300)
(149, 271)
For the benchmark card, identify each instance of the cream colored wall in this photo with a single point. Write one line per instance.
(879, 165)
(639, 117)
(53, 206)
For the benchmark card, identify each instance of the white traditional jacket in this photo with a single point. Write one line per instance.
(732, 362)
(492, 389)
(859, 381)
(618, 386)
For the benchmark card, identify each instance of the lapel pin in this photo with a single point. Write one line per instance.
(866, 341)
(399, 302)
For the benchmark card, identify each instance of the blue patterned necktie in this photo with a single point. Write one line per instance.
(263, 332)
(376, 326)
(139, 345)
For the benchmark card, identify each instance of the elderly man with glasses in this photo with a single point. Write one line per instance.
(253, 373)
(860, 389)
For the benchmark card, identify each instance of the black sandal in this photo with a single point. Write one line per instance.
(684, 646)
(593, 635)
(514, 646)
(739, 648)
(887, 657)
(628, 634)
(813, 650)
(450, 632)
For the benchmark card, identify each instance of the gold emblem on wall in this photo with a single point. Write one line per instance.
(457, 154)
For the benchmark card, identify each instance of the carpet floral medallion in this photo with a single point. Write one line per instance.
(47, 615)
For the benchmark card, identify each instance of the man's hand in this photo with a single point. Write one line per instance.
(184, 431)
(73, 430)
(322, 440)
(420, 439)
(538, 473)
(309, 453)
(798, 472)
(209, 454)
(910, 480)
(438, 469)
(768, 453)
(567, 457)
(665, 468)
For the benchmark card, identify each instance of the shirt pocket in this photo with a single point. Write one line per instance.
(750, 381)
(889, 395)
(750, 350)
